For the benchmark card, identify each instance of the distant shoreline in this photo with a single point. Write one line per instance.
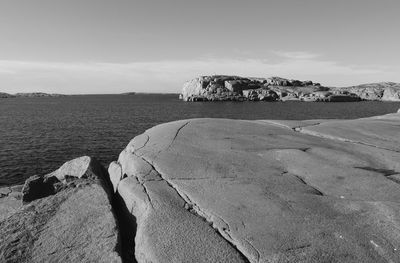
(4, 95)
(30, 95)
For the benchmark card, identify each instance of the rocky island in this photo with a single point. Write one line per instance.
(234, 88)
(219, 190)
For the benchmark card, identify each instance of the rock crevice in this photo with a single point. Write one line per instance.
(196, 210)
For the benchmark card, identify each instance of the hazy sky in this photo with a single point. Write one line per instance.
(99, 46)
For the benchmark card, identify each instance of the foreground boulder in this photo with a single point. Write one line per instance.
(217, 190)
(67, 217)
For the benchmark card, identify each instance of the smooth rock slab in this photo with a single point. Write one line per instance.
(272, 190)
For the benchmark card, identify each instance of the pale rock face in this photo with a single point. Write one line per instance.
(383, 91)
(391, 94)
(77, 168)
(115, 172)
(369, 93)
(193, 87)
(265, 191)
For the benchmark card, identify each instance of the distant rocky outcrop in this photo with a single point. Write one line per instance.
(38, 94)
(234, 88)
(6, 95)
(384, 91)
(30, 95)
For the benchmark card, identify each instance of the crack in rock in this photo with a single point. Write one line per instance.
(299, 128)
(176, 134)
(325, 136)
(395, 180)
(257, 253)
(172, 141)
(318, 192)
(201, 178)
(298, 247)
(127, 227)
(387, 173)
(384, 172)
(146, 192)
(193, 208)
(145, 143)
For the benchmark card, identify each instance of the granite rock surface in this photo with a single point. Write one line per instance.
(218, 190)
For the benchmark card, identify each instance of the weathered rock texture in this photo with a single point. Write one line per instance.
(234, 88)
(10, 200)
(217, 190)
(61, 221)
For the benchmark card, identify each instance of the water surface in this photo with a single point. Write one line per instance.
(37, 135)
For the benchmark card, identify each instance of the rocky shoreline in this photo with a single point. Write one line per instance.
(218, 190)
(234, 88)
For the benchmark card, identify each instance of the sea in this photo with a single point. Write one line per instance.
(37, 135)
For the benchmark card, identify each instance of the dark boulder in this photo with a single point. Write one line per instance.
(36, 187)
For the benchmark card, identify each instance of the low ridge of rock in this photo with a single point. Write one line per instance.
(5, 95)
(30, 95)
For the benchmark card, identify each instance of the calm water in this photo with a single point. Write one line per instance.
(37, 135)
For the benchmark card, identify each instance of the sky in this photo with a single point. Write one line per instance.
(115, 46)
